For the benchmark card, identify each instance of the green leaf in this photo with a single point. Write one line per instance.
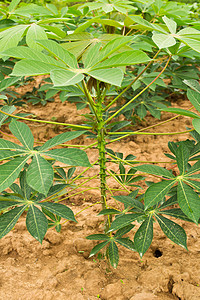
(5, 145)
(124, 230)
(156, 192)
(13, 5)
(11, 36)
(22, 133)
(58, 209)
(70, 156)
(163, 40)
(193, 84)
(126, 58)
(124, 220)
(9, 219)
(36, 223)
(112, 76)
(170, 24)
(156, 170)
(188, 201)
(194, 98)
(28, 67)
(34, 33)
(4, 204)
(193, 183)
(40, 175)
(90, 55)
(129, 201)
(173, 231)
(59, 52)
(196, 124)
(8, 110)
(10, 171)
(176, 213)
(65, 77)
(109, 211)
(5, 83)
(182, 157)
(60, 139)
(98, 237)
(192, 43)
(126, 242)
(25, 188)
(144, 235)
(195, 168)
(5, 154)
(98, 247)
(113, 254)
(182, 112)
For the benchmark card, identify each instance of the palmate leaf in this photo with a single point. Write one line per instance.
(25, 188)
(8, 110)
(126, 242)
(11, 36)
(35, 33)
(156, 170)
(10, 171)
(176, 213)
(59, 52)
(65, 77)
(193, 183)
(36, 223)
(98, 247)
(5, 154)
(113, 76)
(60, 139)
(123, 59)
(89, 57)
(182, 157)
(70, 156)
(129, 201)
(163, 40)
(188, 201)
(124, 220)
(124, 230)
(173, 231)
(156, 192)
(9, 219)
(194, 98)
(144, 235)
(98, 237)
(28, 67)
(182, 112)
(58, 209)
(113, 254)
(40, 175)
(196, 124)
(23, 133)
(4, 204)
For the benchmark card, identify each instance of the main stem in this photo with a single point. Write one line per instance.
(102, 155)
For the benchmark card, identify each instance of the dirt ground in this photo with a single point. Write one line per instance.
(60, 267)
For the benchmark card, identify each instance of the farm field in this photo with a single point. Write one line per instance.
(99, 150)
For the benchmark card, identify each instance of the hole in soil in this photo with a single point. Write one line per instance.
(157, 253)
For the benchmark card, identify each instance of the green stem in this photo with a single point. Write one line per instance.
(148, 133)
(102, 154)
(130, 101)
(46, 122)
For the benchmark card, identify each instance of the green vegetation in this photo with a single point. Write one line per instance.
(114, 58)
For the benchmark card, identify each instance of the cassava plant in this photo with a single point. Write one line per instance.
(96, 73)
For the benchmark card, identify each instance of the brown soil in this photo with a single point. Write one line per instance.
(60, 267)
